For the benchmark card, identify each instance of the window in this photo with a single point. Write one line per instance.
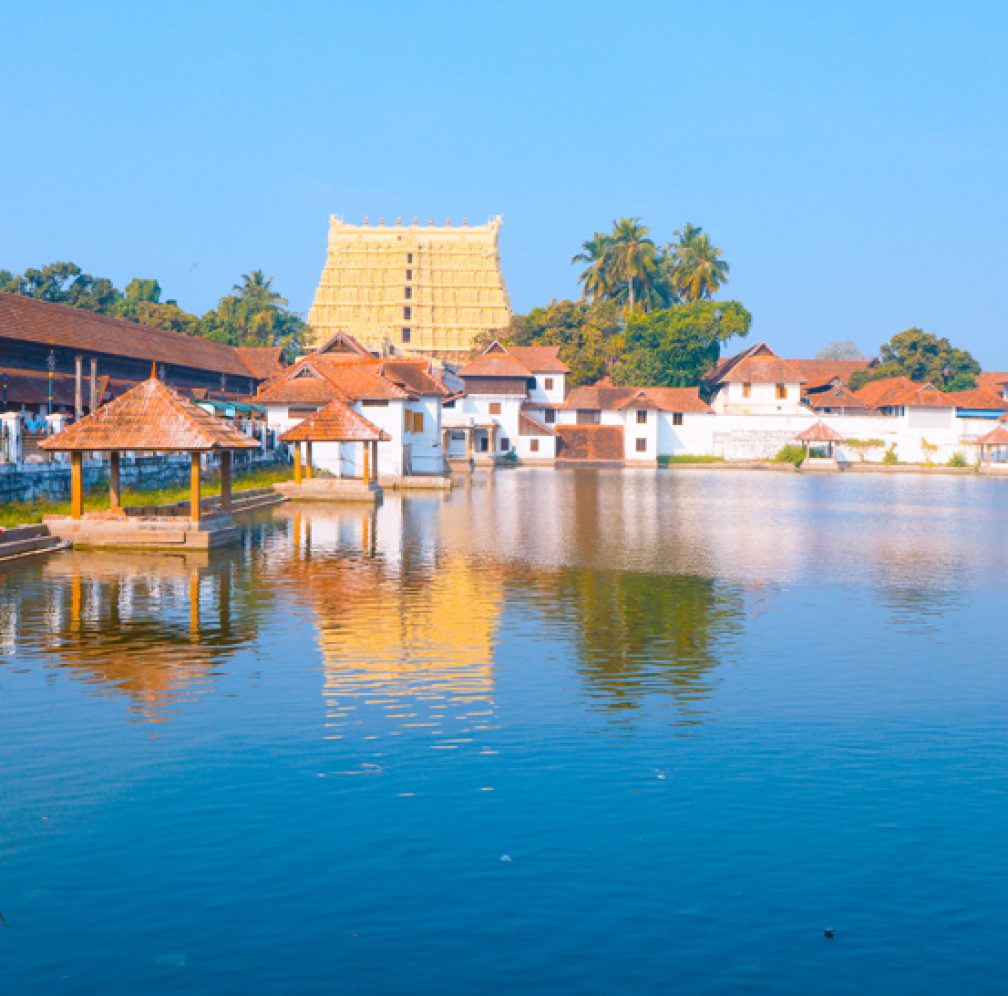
(642, 416)
(781, 392)
(505, 444)
(408, 293)
(407, 313)
(534, 445)
(548, 384)
(409, 274)
(641, 446)
(458, 436)
(406, 333)
(409, 257)
(588, 416)
(495, 408)
(549, 415)
(747, 390)
(677, 418)
(418, 421)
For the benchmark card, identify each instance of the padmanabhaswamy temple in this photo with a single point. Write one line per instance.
(428, 289)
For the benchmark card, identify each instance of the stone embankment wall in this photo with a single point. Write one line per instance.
(51, 481)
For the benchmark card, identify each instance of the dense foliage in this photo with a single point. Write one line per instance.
(925, 358)
(253, 314)
(628, 267)
(841, 349)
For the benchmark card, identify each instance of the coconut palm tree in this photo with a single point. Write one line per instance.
(697, 269)
(258, 288)
(632, 259)
(595, 282)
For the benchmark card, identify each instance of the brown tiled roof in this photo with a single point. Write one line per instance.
(27, 320)
(529, 426)
(817, 373)
(342, 343)
(150, 416)
(590, 443)
(263, 362)
(881, 393)
(336, 423)
(998, 436)
(978, 398)
(838, 396)
(720, 370)
(993, 380)
(414, 376)
(305, 390)
(820, 432)
(763, 370)
(604, 397)
(539, 359)
(496, 364)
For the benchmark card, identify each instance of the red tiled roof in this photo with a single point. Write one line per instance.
(414, 376)
(336, 423)
(993, 380)
(539, 359)
(150, 416)
(307, 390)
(763, 370)
(262, 362)
(820, 432)
(602, 397)
(998, 436)
(25, 319)
(319, 378)
(817, 373)
(720, 370)
(496, 364)
(979, 399)
(838, 396)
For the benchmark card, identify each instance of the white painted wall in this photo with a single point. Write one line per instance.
(763, 400)
(540, 394)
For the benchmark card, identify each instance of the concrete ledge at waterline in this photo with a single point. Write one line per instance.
(771, 465)
(433, 482)
(330, 489)
(141, 532)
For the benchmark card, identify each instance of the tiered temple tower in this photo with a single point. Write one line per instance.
(411, 288)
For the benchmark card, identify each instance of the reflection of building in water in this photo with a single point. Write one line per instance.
(409, 634)
(150, 628)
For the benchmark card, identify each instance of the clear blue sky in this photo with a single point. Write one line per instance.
(850, 158)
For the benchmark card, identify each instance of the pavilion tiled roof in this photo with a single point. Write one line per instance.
(25, 319)
(152, 417)
(336, 423)
(998, 436)
(820, 432)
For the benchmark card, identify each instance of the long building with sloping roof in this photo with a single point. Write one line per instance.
(36, 334)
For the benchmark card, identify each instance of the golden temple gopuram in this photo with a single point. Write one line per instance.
(427, 289)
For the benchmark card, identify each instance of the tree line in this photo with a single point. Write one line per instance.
(253, 314)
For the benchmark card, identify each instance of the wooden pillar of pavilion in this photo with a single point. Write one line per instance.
(367, 462)
(76, 484)
(374, 461)
(309, 469)
(195, 510)
(297, 463)
(114, 492)
(225, 480)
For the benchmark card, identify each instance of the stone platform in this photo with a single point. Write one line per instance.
(331, 489)
(431, 482)
(144, 532)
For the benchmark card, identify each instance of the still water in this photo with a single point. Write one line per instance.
(580, 731)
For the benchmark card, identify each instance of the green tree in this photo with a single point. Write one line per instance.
(594, 279)
(631, 261)
(674, 347)
(926, 359)
(695, 266)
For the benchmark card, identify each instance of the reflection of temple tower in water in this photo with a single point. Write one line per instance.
(412, 638)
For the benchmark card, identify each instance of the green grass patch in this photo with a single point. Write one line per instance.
(96, 497)
(668, 460)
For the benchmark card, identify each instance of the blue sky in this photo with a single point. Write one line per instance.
(850, 158)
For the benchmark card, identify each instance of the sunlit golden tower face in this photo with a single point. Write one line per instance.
(415, 288)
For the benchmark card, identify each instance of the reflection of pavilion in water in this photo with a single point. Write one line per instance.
(150, 627)
(406, 634)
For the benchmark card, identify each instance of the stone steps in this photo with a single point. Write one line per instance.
(27, 541)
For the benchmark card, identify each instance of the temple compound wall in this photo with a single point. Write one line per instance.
(405, 289)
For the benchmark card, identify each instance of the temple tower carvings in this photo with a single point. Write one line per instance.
(411, 288)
